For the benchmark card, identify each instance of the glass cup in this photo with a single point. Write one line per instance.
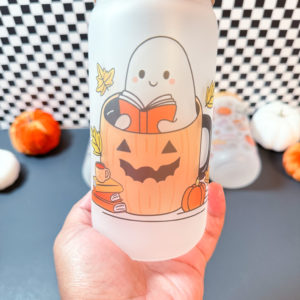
(151, 100)
(234, 160)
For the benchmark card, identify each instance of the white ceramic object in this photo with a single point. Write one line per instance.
(151, 73)
(234, 162)
(276, 126)
(9, 169)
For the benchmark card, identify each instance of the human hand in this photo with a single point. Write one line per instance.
(90, 266)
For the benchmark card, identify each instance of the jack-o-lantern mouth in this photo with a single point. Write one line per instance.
(143, 173)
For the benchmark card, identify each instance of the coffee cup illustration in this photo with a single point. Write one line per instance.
(154, 169)
(102, 173)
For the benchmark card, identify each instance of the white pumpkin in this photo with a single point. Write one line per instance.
(9, 169)
(276, 126)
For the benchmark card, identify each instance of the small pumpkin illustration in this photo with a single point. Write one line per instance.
(34, 132)
(194, 196)
(291, 161)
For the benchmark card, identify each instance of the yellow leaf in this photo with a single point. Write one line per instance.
(104, 79)
(209, 100)
(96, 141)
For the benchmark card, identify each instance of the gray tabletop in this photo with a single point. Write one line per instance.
(258, 256)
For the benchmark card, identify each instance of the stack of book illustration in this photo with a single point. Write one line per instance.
(107, 195)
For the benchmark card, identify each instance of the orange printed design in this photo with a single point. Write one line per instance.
(219, 142)
(148, 163)
(194, 196)
(250, 140)
(224, 111)
(151, 136)
(146, 120)
(106, 190)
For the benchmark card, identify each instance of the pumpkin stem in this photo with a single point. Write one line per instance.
(29, 118)
(197, 181)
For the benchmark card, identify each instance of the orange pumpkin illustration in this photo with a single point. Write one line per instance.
(155, 168)
(194, 196)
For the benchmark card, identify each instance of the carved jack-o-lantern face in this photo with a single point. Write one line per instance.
(154, 169)
(145, 172)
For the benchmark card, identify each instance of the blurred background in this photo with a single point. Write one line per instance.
(44, 55)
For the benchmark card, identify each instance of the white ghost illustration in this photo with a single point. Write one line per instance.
(160, 66)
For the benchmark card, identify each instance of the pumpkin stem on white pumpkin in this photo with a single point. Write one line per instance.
(281, 114)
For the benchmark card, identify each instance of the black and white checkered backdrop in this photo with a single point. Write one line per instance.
(44, 53)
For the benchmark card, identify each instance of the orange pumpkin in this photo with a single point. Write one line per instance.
(35, 132)
(194, 196)
(154, 169)
(291, 161)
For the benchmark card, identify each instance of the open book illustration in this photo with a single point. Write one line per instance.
(106, 195)
(165, 99)
(145, 119)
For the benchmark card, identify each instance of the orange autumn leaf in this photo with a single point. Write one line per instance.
(96, 141)
(210, 93)
(104, 79)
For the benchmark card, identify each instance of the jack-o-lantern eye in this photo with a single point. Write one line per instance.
(124, 147)
(169, 148)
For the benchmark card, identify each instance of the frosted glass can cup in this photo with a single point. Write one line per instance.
(151, 99)
(234, 162)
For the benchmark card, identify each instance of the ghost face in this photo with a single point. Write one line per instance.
(160, 66)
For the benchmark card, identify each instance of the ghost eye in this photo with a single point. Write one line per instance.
(166, 74)
(124, 147)
(169, 148)
(141, 74)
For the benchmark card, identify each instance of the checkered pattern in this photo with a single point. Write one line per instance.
(44, 52)
(258, 53)
(43, 56)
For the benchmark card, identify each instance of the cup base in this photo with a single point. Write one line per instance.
(235, 174)
(152, 238)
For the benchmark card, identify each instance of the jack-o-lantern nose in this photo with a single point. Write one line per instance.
(169, 148)
(123, 147)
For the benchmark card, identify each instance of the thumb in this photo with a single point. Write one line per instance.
(215, 220)
(80, 214)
